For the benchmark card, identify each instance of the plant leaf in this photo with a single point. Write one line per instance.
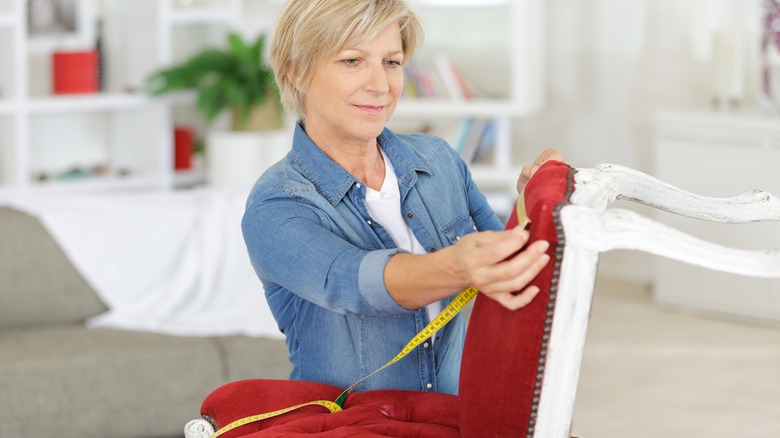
(222, 78)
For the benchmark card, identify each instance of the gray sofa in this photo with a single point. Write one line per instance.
(60, 379)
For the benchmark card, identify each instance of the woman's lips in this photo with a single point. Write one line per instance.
(371, 109)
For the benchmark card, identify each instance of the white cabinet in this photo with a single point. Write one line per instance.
(719, 155)
(119, 137)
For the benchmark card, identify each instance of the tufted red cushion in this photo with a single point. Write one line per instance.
(501, 372)
(379, 413)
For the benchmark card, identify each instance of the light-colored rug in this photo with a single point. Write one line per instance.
(653, 372)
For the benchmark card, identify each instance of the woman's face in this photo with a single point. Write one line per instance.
(352, 95)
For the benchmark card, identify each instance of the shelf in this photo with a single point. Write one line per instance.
(488, 176)
(188, 178)
(460, 3)
(443, 108)
(86, 103)
(7, 21)
(99, 183)
(7, 108)
(203, 15)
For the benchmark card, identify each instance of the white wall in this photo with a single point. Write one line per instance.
(612, 64)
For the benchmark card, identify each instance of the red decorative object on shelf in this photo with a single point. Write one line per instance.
(184, 146)
(75, 72)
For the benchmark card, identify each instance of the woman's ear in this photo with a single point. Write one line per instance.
(292, 78)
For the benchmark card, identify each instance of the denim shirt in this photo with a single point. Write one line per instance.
(321, 259)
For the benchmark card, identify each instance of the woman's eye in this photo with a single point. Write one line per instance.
(350, 61)
(393, 63)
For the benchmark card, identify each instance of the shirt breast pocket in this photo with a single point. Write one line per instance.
(458, 228)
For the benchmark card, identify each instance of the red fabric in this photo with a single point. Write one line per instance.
(500, 373)
(504, 355)
(380, 413)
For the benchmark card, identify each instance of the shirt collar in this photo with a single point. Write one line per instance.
(333, 181)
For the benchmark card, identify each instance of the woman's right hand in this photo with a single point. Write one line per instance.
(491, 261)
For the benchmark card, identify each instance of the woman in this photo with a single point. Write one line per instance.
(360, 235)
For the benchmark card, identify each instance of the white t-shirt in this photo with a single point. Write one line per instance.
(385, 207)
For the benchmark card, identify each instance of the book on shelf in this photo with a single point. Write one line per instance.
(473, 139)
(439, 78)
(463, 131)
(486, 144)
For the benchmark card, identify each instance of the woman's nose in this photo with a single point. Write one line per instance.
(377, 80)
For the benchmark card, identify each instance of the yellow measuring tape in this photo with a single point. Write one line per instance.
(438, 322)
(449, 312)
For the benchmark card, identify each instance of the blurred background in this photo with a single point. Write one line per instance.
(685, 90)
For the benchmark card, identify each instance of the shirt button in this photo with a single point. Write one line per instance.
(425, 345)
(433, 249)
(409, 215)
(369, 222)
(358, 185)
(457, 237)
(429, 385)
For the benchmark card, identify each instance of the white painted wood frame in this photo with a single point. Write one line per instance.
(589, 229)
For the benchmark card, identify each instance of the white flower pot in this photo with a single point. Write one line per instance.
(234, 160)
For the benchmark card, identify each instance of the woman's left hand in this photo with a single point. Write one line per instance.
(530, 169)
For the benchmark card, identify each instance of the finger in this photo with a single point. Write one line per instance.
(525, 175)
(547, 155)
(517, 301)
(491, 247)
(515, 273)
(529, 171)
(525, 277)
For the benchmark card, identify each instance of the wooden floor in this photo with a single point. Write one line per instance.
(653, 372)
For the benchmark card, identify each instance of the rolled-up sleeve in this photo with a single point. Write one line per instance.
(289, 245)
(372, 282)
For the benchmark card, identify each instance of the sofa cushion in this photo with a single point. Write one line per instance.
(253, 358)
(68, 381)
(39, 284)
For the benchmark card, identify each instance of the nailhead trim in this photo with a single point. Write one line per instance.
(557, 263)
(211, 420)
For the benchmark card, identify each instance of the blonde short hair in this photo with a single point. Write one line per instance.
(308, 31)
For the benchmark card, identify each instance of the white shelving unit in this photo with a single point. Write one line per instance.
(215, 18)
(121, 128)
(131, 134)
(503, 37)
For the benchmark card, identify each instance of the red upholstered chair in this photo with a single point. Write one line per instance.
(520, 369)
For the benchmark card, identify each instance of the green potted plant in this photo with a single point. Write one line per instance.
(235, 78)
